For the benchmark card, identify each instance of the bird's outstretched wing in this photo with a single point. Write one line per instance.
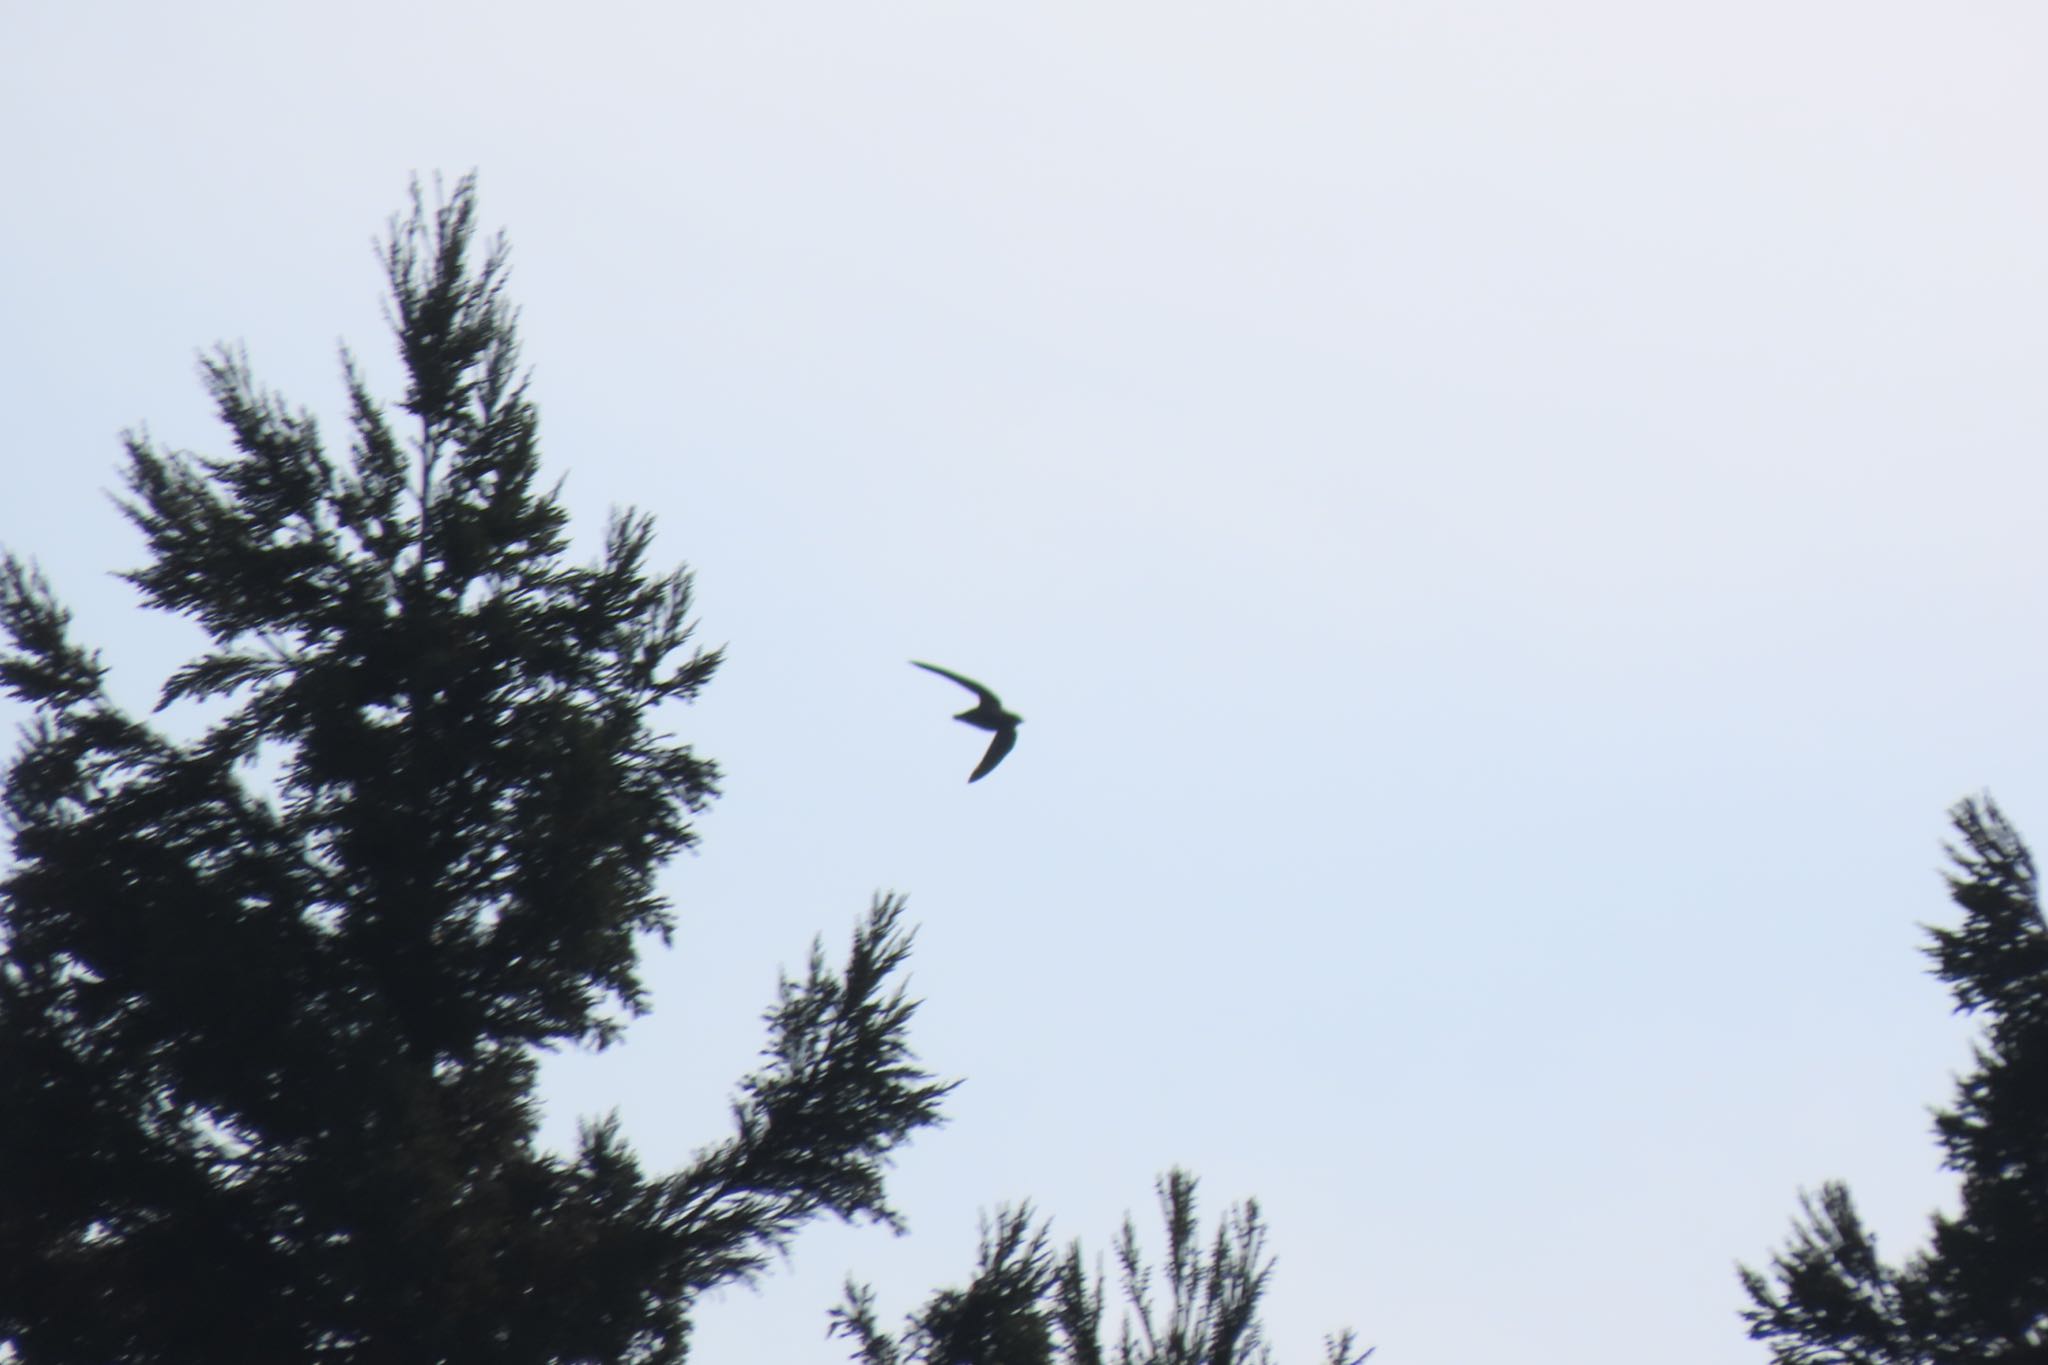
(970, 684)
(1004, 741)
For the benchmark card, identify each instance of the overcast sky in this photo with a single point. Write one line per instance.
(1509, 524)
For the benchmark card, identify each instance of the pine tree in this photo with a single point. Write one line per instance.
(1025, 1306)
(271, 997)
(1979, 1292)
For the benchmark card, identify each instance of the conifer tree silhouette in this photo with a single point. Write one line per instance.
(271, 998)
(1026, 1306)
(1978, 1294)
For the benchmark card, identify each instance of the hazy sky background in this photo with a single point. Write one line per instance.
(1508, 523)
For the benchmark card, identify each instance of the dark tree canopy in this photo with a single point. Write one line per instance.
(1026, 1306)
(270, 997)
(1979, 1292)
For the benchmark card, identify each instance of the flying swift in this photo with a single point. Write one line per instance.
(987, 713)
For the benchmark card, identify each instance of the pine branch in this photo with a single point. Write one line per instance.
(815, 1127)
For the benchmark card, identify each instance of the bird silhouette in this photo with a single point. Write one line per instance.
(987, 713)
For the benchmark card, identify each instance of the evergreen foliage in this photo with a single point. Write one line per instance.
(1979, 1292)
(1025, 1306)
(270, 998)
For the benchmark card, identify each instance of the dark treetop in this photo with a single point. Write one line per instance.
(1027, 1305)
(270, 998)
(1979, 1292)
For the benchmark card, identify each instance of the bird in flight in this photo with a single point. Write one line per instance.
(987, 713)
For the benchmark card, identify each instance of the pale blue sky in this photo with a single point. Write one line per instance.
(1508, 523)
